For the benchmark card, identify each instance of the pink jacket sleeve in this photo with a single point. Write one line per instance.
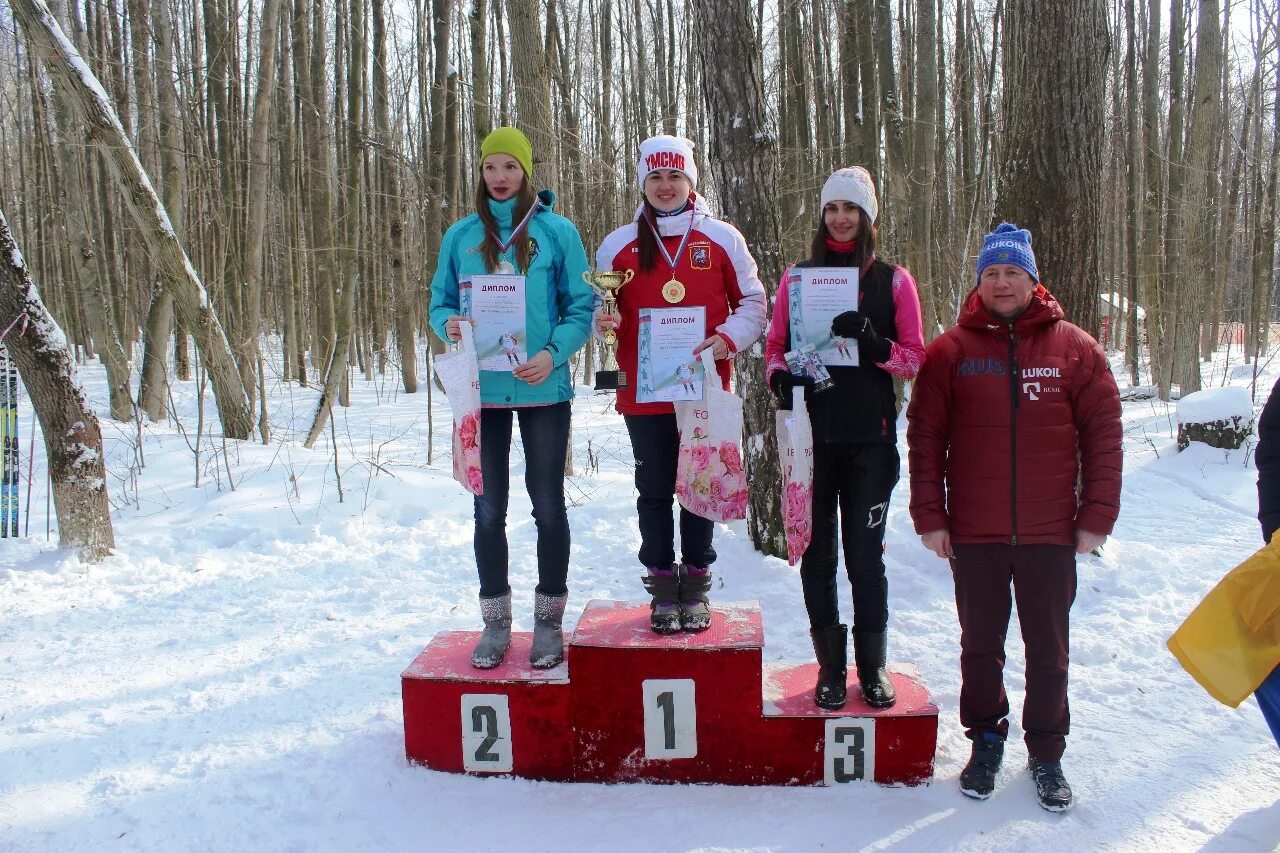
(775, 344)
(906, 354)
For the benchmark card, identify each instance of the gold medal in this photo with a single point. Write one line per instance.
(673, 291)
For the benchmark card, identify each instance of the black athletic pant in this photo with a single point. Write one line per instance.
(655, 444)
(857, 479)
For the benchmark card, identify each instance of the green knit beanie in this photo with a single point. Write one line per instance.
(508, 140)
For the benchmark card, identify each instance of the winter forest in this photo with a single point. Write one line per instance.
(306, 159)
(219, 220)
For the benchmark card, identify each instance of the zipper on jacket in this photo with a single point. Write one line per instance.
(1013, 436)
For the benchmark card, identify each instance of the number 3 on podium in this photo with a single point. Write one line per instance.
(850, 753)
(670, 718)
(486, 733)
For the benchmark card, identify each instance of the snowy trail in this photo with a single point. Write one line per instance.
(230, 679)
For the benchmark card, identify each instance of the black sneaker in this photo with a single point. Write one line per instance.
(1051, 786)
(978, 778)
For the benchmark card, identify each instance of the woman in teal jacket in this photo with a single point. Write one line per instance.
(514, 231)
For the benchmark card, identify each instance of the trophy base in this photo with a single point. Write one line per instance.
(610, 380)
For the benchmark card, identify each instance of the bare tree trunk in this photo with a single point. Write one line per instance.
(533, 88)
(441, 10)
(391, 237)
(849, 77)
(317, 129)
(743, 153)
(1152, 260)
(1267, 206)
(344, 292)
(1133, 198)
(868, 152)
(72, 435)
(154, 383)
(246, 339)
(85, 251)
(893, 185)
(641, 53)
(482, 121)
(923, 172)
(93, 107)
(1199, 232)
(1169, 277)
(1051, 175)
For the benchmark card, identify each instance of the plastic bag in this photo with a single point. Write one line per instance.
(795, 453)
(710, 480)
(1231, 642)
(459, 373)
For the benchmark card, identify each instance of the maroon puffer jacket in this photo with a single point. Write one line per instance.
(998, 415)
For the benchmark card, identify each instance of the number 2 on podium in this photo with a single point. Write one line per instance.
(670, 718)
(486, 733)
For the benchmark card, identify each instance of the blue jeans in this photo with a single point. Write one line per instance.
(1268, 696)
(544, 432)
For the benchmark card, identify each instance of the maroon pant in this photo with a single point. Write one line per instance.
(1043, 578)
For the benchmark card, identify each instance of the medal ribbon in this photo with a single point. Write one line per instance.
(515, 232)
(672, 261)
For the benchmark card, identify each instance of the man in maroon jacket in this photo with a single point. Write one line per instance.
(1014, 443)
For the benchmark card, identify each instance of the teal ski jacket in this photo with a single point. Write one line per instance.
(558, 303)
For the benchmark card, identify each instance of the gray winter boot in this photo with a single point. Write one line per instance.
(496, 637)
(548, 637)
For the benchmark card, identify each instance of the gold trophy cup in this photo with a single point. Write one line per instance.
(607, 283)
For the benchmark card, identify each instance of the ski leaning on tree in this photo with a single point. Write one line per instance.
(1013, 408)
(681, 257)
(514, 232)
(855, 454)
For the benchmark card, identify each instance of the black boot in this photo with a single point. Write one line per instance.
(869, 651)
(831, 646)
(664, 609)
(978, 778)
(1051, 786)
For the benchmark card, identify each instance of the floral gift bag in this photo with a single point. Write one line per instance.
(710, 481)
(795, 452)
(459, 373)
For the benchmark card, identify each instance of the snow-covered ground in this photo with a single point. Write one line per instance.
(229, 680)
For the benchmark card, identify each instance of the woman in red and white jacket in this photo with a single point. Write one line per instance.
(682, 256)
(855, 453)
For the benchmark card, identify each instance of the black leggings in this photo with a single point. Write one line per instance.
(858, 479)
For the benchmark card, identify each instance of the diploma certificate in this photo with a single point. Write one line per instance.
(496, 303)
(669, 371)
(816, 295)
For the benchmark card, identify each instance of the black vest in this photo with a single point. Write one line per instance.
(861, 407)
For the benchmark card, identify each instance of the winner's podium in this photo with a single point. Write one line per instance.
(629, 705)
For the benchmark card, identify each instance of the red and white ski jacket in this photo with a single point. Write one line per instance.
(718, 273)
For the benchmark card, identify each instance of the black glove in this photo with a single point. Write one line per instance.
(781, 383)
(856, 325)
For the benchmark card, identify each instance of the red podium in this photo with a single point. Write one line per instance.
(643, 707)
(512, 719)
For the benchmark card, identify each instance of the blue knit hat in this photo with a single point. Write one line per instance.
(1008, 244)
